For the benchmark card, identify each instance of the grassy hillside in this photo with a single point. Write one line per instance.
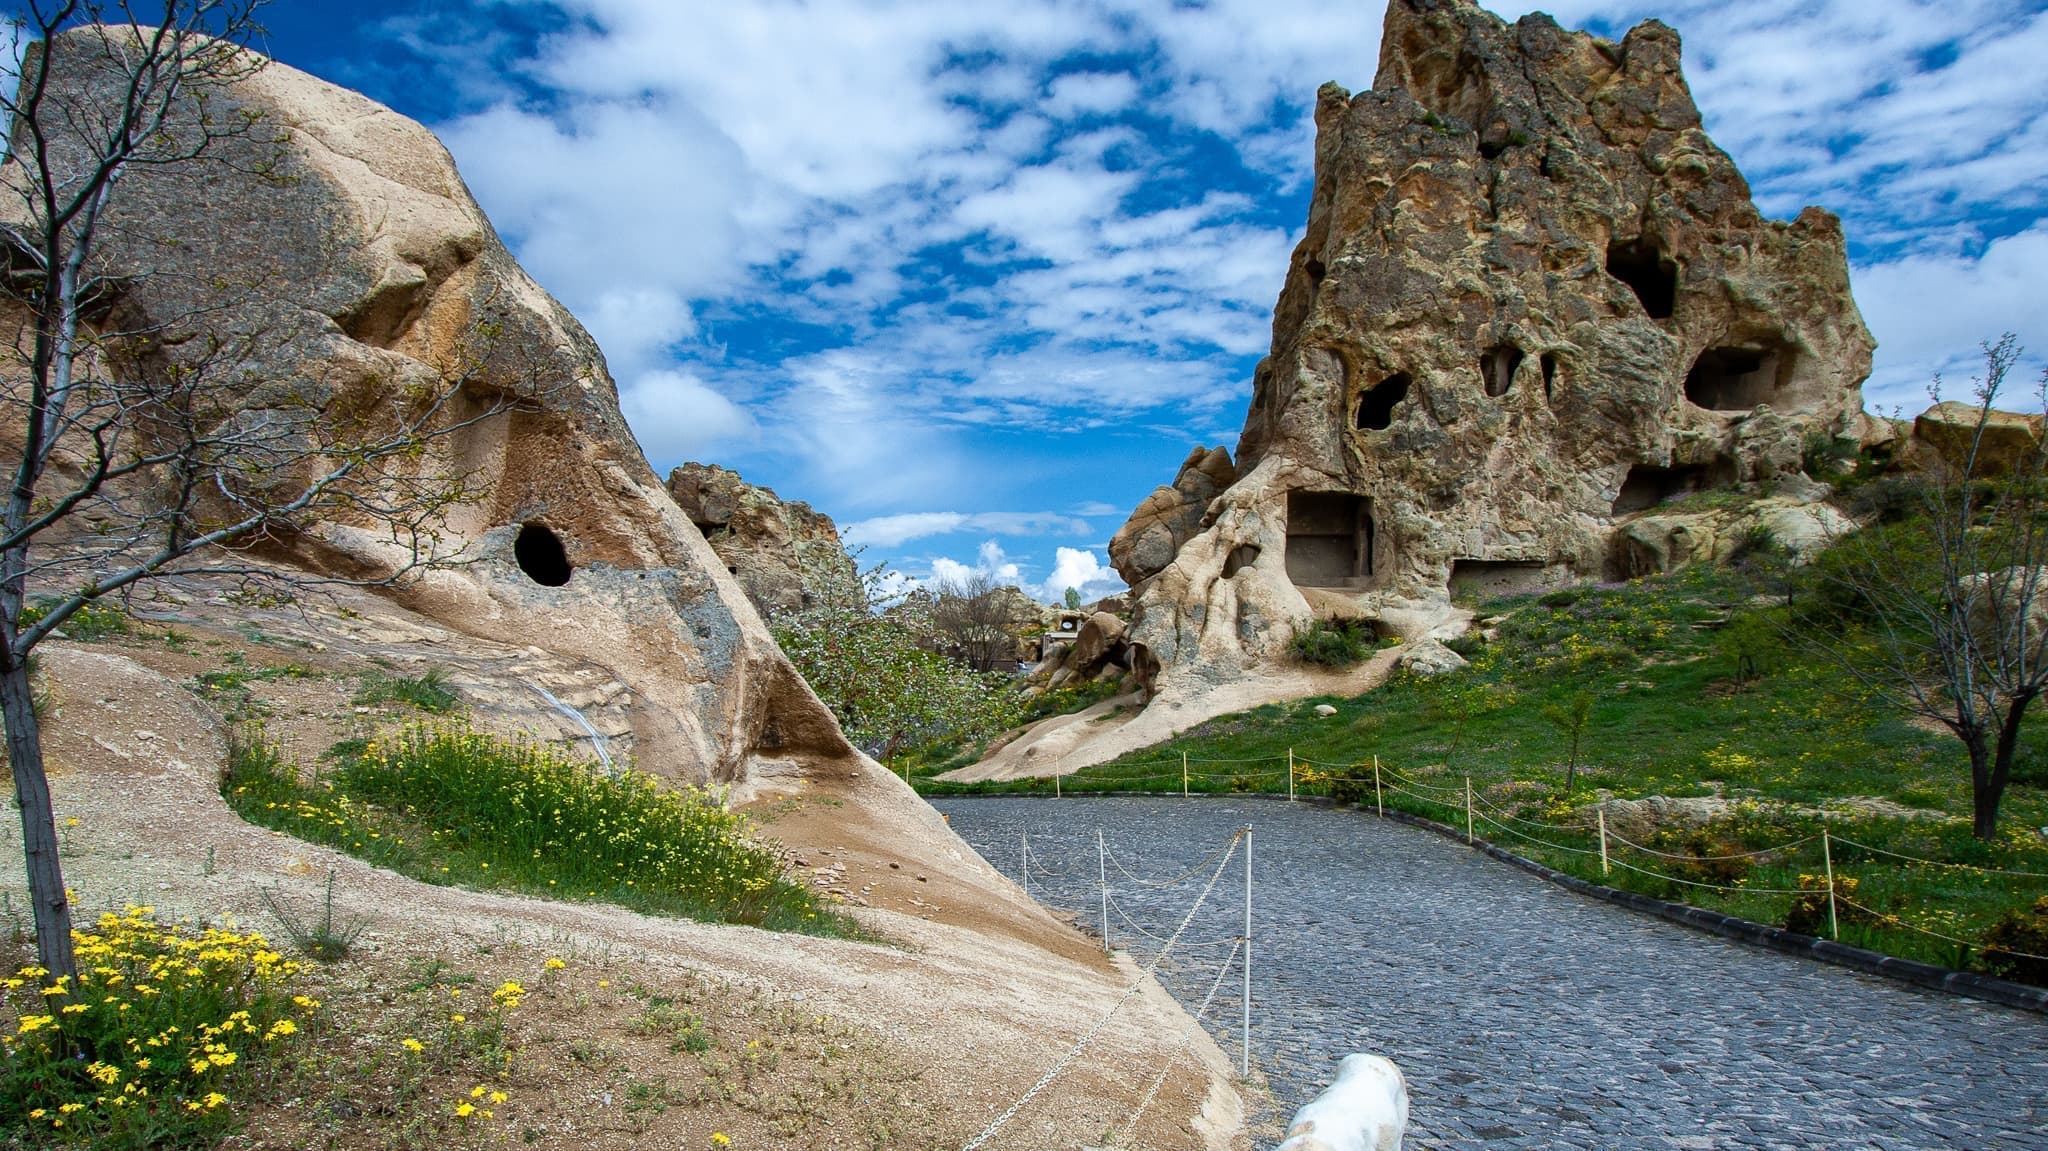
(1673, 709)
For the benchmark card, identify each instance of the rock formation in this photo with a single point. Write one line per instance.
(785, 555)
(358, 274)
(1533, 300)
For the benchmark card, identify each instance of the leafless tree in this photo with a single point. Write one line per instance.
(141, 442)
(1946, 610)
(971, 616)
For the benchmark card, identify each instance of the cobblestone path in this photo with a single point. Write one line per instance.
(1523, 1015)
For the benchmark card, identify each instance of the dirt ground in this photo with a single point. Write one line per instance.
(656, 1032)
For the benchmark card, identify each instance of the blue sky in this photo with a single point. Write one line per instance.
(973, 277)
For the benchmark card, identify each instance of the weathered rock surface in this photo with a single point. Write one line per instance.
(1533, 300)
(1950, 429)
(335, 251)
(784, 554)
(1171, 515)
(1428, 658)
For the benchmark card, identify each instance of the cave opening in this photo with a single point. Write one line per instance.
(541, 555)
(1331, 539)
(1241, 557)
(1496, 577)
(1648, 485)
(1315, 270)
(1648, 272)
(1737, 379)
(1376, 406)
(1497, 367)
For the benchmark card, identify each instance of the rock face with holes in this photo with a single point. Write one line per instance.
(786, 555)
(364, 276)
(1533, 300)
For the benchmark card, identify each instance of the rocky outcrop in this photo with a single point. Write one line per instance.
(783, 553)
(332, 255)
(1949, 431)
(1533, 301)
(1170, 516)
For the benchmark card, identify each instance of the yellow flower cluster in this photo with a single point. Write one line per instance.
(156, 1014)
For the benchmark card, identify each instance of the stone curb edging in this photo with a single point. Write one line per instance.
(1969, 984)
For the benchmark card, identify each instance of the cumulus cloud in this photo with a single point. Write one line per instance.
(1934, 309)
(1076, 568)
(675, 416)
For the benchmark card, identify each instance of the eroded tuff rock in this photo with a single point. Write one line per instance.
(786, 555)
(334, 250)
(1171, 515)
(1533, 300)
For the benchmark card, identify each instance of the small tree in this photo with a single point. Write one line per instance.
(134, 440)
(970, 615)
(1569, 718)
(1072, 599)
(1943, 614)
(866, 652)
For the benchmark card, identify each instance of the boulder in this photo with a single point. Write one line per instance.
(1428, 658)
(333, 251)
(785, 555)
(1170, 515)
(1950, 429)
(1533, 300)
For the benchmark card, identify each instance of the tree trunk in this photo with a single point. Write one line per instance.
(38, 823)
(1988, 779)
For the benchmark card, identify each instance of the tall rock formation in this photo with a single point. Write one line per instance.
(786, 555)
(332, 249)
(1533, 299)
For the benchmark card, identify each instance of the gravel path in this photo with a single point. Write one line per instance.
(1525, 1016)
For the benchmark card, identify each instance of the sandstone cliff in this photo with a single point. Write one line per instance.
(334, 251)
(1533, 300)
(784, 554)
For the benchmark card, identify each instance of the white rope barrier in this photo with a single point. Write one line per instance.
(1757, 854)
(1889, 920)
(1181, 878)
(1940, 863)
(1188, 1033)
(1088, 1038)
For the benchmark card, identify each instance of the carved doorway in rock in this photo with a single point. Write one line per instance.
(1332, 540)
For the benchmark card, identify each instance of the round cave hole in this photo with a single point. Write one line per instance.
(541, 555)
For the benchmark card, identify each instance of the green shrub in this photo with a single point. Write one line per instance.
(1071, 698)
(445, 803)
(428, 691)
(1332, 643)
(93, 621)
(147, 1048)
(2015, 940)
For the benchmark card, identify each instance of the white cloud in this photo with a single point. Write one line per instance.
(1078, 568)
(1932, 310)
(675, 416)
(1080, 93)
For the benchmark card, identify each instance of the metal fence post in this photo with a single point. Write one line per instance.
(1602, 813)
(1827, 856)
(1245, 1054)
(1102, 871)
(1024, 860)
(1379, 799)
(1290, 775)
(1183, 775)
(1468, 811)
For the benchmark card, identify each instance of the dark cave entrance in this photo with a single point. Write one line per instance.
(541, 555)
(1651, 274)
(1376, 406)
(1648, 485)
(1331, 539)
(1737, 379)
(1497, 367)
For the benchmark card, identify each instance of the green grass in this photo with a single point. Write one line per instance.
(428, 691)
(449, 805)
(1668, 718)
(94, 621)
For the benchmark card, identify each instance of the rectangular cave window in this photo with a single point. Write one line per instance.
(1649, 273)
(1497, 577)
(1647, 485)
(1376, 405)
(1331, 539)
(1737, 379)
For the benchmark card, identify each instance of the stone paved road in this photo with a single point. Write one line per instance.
(1523, 1015)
